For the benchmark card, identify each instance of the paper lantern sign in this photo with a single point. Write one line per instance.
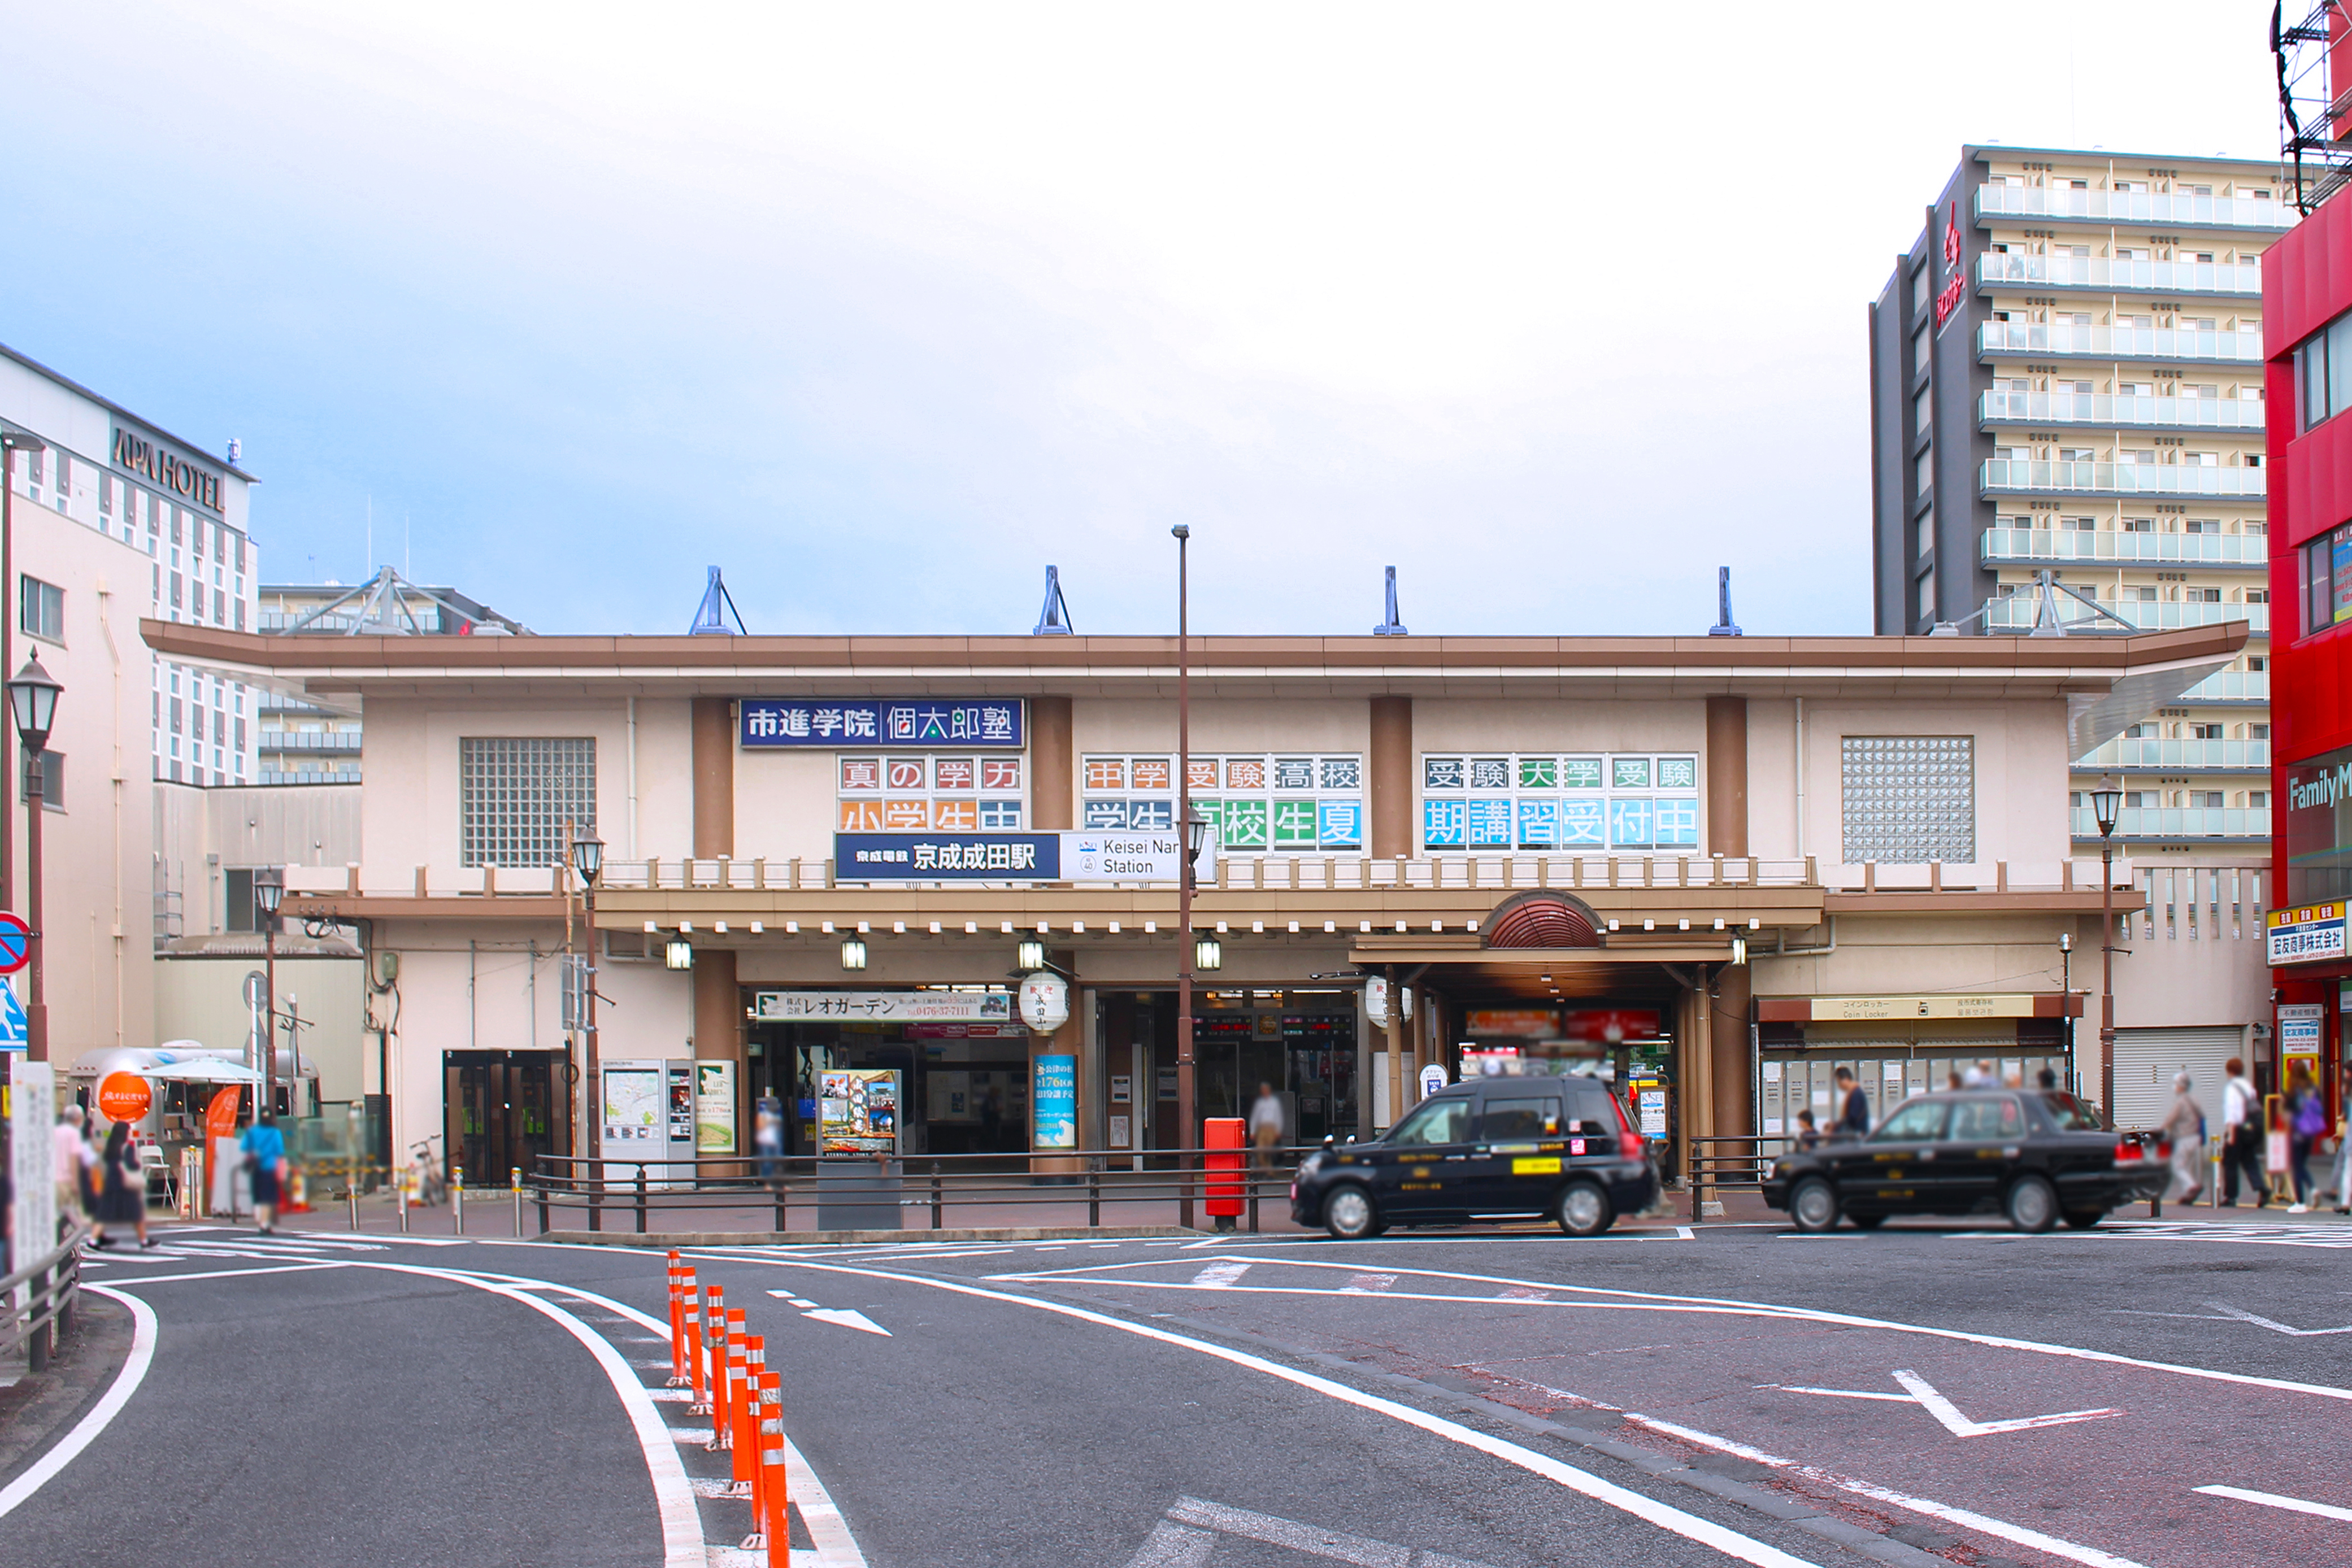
(124, 1096)
(1043, 1001)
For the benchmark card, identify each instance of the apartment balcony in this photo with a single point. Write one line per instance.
(2146, 822)
(2016, 614)
(2106, 410)
(2179, 756)
(348, 773)
(2230, 686)
(2020, 477)
(343, 742)
(2134, 207)
(2174, 280)
(2158, 345)
(2064, 546)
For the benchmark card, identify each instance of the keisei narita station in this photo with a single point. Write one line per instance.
(1717, 867)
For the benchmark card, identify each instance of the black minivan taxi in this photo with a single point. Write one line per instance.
(1558, 1146)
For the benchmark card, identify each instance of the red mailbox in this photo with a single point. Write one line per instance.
(1223, 1159)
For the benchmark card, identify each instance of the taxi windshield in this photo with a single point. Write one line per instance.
(2071, 1116)
(1437, 1121)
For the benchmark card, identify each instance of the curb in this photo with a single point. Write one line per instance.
(668, 1238)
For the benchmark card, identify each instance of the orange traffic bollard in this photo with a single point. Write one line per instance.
(722, 1432)
(676, 1321)
(746, 1415)
(714, 1339)
(689, 1344)
(773, 1505)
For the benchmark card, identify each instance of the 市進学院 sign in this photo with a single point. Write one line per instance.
(839, 722)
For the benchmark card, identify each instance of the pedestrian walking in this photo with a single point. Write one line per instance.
(122, 1186)
(1809, 1136)
(2184, 1125)
(768, 1138)
(2241, 1138)
(1981, 1076)
(2047, 1078)
(1266, 1124)
(1853, 1107)
(265, 1164)
(72, 1153)
(2306, 1114)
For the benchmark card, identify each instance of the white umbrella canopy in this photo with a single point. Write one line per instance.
(179, 1060)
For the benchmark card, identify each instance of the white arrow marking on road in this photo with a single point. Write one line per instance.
(1923, 1393)
(2273, 1500)
(2246, 1317)
(848, 1318)
(1944, 1410)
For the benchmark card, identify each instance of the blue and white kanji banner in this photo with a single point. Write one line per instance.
(848, 722)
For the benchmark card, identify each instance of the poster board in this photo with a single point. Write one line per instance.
(1054, 1105)
(857, 1110)
(632, 1116)
(32, 1111)
(714, 1108)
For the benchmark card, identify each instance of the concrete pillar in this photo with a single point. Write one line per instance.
(718, 1027)
(1388, 777)
(1733, 1097)
(714, 779)
(1054, 769)
(1727, 775)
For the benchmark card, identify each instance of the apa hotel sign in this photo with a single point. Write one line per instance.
(165, 469)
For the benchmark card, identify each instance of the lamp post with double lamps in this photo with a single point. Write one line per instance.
(588, 865)
(268, 897)
(2106, 802)
(33, 699)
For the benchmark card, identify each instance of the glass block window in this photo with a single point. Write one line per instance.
(1592, 802)
(514, 795)
(1259, 802)
(891, 793)
(1910, 799)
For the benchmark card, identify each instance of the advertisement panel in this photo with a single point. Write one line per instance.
(840, 724)
(947, 857)
(2318, 829)
(903, 1006)
(714, 1107)
(858, 1110)
(2310, 934)
(1055, 1102)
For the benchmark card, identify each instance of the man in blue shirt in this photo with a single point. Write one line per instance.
(265, 1162)
(1854, 1108)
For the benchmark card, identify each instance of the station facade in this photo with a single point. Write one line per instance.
(1717, 867)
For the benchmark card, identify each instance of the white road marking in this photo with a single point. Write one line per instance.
(1366, 1284)
(1313, 1540)
(1173, 1546)
(1651, 1301)
(848, 1318)
(2000, 1528)
(1515, 1293)
(1841, 1393)
(117, 1393)
(227, 1273)
(2274, 1500)
(1220, 1276)
(1959, 1425)
(2246, 1317)
(1665, 1516)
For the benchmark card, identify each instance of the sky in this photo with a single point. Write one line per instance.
(882, 309)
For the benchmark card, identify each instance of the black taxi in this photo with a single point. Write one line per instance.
(2036, 1156)
(1562, 1147)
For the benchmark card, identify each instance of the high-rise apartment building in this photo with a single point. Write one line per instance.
(2067, 432)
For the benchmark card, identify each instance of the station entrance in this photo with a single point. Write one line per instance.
(501, 1110)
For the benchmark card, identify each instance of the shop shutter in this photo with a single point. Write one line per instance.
(2146, 1059)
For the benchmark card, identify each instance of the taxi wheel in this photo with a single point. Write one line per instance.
(2085, 1218)
(1584, 1209)
(1349, 1216)
(2033, 1204)
(1814, 1206)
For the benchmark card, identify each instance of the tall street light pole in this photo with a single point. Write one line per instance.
(33, 698)
(2105, 803)
(588, 863)
(269, 896)
(12, 441)
(1185, 1106)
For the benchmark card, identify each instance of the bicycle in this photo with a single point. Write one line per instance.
(431, 1186)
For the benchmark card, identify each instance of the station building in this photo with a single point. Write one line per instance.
(1720, 866)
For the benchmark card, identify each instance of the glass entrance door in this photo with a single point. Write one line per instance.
(503, 1110)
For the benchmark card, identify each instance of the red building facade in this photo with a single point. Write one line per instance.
(2308, 341)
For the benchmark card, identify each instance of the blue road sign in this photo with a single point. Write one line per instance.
(11, 1018)
(15, 942)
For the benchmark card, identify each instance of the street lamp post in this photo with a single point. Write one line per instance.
(1185, 1133)
(588, 862)
(269, 896)
(33, 698)
(2106, 802)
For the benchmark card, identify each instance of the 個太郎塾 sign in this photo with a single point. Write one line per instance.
(840, 722)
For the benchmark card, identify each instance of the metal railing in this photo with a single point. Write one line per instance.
(1728, 1161)
(2151, 751)
(626, 1195)
(2178, 821)
(2064, 340)
(2175, 209)
(2148, 615)
(45, 1314)
(2072, 545)
(2110, 411)
(2003, 475)
(2238, 277)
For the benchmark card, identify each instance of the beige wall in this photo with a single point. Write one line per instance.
(200, 833)
(203, 999)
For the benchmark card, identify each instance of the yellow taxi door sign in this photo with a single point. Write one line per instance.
(1541, 1164)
